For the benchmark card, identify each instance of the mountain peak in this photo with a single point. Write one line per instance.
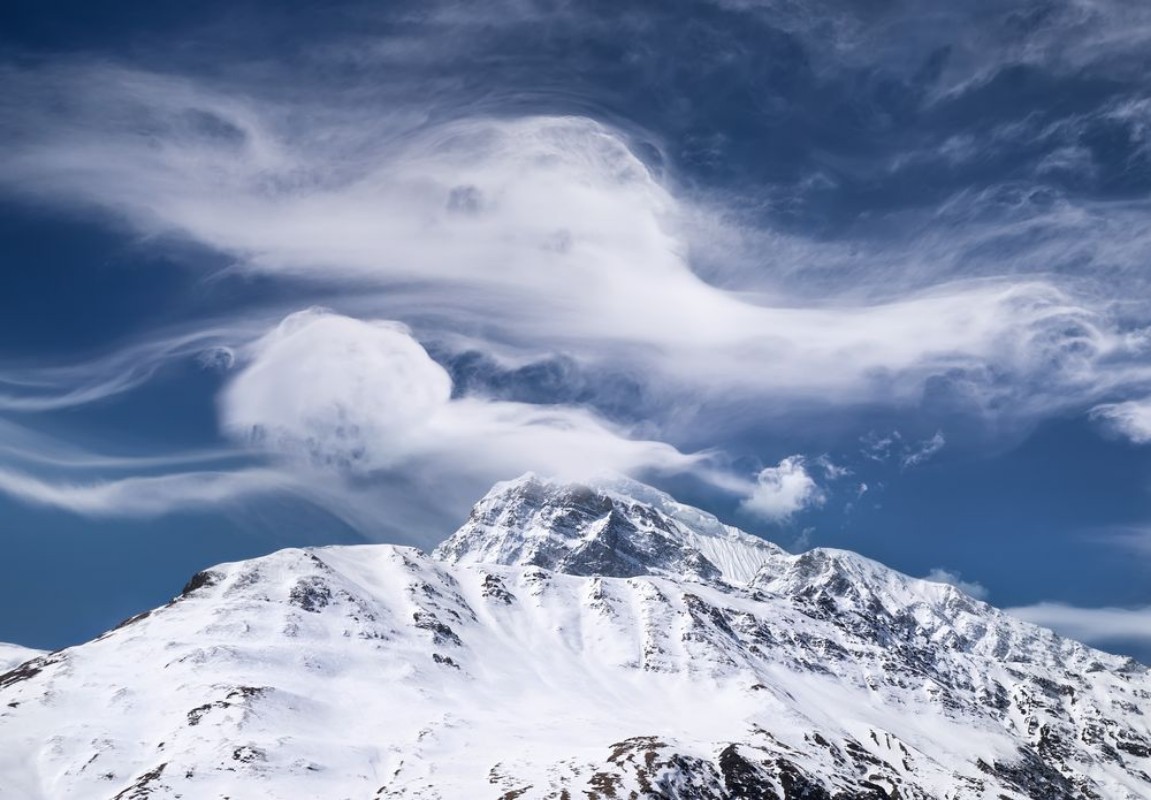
(608, 527)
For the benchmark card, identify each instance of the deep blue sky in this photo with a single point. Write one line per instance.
(881, 244)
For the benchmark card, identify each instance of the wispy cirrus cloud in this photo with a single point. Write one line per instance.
(894, 447)
(547, 231)
(1097, 626)
(47, 388)
(147, 496)
(1130, 419)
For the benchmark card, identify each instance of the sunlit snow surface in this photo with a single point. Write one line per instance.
(599, 642)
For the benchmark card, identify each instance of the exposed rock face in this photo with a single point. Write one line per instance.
(576, 643)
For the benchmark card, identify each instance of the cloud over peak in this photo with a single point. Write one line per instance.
(972, 588)
(363, 396)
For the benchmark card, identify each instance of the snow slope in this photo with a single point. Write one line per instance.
(572, 643)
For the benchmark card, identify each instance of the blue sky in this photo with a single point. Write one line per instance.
(863, 275)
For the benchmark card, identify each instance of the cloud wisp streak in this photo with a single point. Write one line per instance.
(40, 389)
(148, 496)
(1098, 626)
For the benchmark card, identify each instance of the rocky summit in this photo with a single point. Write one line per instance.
(576, 643)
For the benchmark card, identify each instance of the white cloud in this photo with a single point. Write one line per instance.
(895, 446)
(52, 387)
(782, 491)
(1130, 419)
(336, 391)
(363, 396)
(545, 233)
(924, 450)
(147, 496)
(972, 588)
(534, 236)
(831, 470)
(880, 448)
(1097, 626)
(541, 235)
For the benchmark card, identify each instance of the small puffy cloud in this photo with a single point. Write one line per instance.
(972, 588)
(780, 492)
(1090, 625)
(337, 391)
(1131, 419)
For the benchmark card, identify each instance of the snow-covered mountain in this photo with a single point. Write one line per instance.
(575, 644)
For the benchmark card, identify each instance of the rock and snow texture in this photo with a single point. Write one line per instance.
(620, 529)
(575, 644)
